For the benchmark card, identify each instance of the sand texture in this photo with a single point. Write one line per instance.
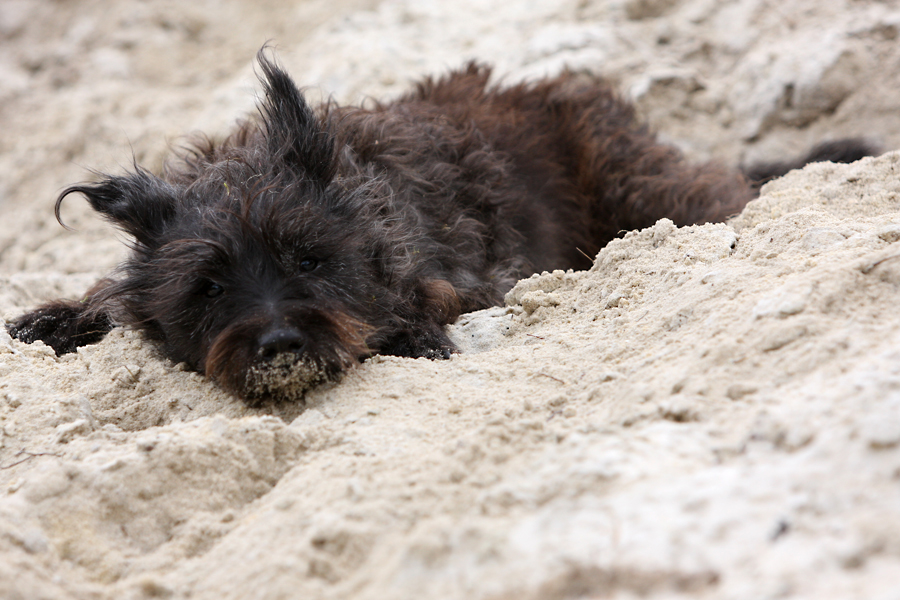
(708, 412)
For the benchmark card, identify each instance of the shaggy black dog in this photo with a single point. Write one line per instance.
(307, 241)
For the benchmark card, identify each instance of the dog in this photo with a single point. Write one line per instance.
(306, 241)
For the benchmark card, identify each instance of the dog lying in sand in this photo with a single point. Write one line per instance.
(309, 240)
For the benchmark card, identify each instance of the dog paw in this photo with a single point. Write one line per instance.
(62, 325)
(428, 344)
(439, 353)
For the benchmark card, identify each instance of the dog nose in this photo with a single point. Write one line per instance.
(279, 340)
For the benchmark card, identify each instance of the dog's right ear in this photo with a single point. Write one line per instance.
(139, 203)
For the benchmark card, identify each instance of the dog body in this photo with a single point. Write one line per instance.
(307, 241)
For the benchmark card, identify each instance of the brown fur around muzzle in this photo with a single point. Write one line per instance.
(240, 360)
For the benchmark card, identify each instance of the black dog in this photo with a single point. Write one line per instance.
(307, 241)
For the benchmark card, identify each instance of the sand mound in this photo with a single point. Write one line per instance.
(710, 411)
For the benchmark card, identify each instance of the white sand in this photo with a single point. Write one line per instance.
(709, 412)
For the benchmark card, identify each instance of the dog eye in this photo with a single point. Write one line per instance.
(308, 264)
(211, 290)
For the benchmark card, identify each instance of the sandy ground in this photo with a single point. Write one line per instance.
(709, 412)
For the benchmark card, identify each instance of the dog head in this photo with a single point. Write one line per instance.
(252, 262)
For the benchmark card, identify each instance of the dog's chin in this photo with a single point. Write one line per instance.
(285, 378)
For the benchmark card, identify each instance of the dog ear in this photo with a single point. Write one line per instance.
(292, 130)
(140, 203)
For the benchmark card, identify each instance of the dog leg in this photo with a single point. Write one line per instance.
(838, 151)
(64, 325)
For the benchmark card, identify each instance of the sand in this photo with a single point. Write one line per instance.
(709, 412)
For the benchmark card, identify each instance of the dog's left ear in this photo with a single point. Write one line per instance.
(140, 203)
(292, 130)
